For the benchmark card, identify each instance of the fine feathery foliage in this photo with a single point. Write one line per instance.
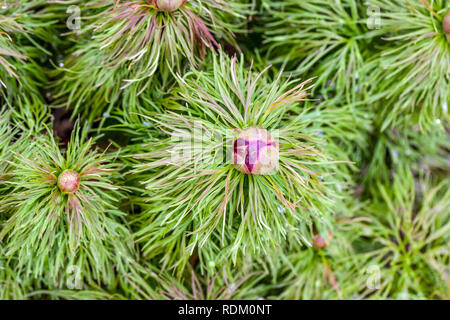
(6, 136)
(327, 39)
(217, 149)
(63, 216)
(397, 149)
(324, 271)
(227, 284)
(395, 59)
(409, 232)
(411, 73)
(250, 212)
(125, 45)
(10, 287)
(22, 25)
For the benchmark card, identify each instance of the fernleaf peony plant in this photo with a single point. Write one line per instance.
(63, 215)
(123, 46)
(240, 168)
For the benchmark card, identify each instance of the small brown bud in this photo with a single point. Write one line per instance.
(319, 243)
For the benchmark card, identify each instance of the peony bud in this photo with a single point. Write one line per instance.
(319, 243)
(446, 25)
(255, 151)
(169, 5)
(69, 181)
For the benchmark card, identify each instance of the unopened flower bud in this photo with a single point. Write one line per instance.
(319, 243)
(69, 181)
(255, 151)
(169, 5)
(446, 25)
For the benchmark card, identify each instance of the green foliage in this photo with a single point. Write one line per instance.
(396, 61)
(120, 50)
(410, 75)
(10, 288)
(6, 135)
(409, 229)
(395, 149)
(226, 284)
(327, 39)
(149, 194)
(23, 24)
(312, 273)
(251, 212)
(49, 230)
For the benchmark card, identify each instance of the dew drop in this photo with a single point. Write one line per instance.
(395, 153)
(403, 296)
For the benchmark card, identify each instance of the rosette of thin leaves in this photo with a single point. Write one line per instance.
(65, 232)
(410, 77)
(327, 267)
(197, 199)
(394, 149)
(126, 44)
(327, 39)
(311, 273)
(227, 284)
(141, 285)
(22, 25)
(408, 238)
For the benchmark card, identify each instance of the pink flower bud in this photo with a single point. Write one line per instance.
(446, 25)
(319, 243)
(169, 5)
(69, 181)
(255, 151)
